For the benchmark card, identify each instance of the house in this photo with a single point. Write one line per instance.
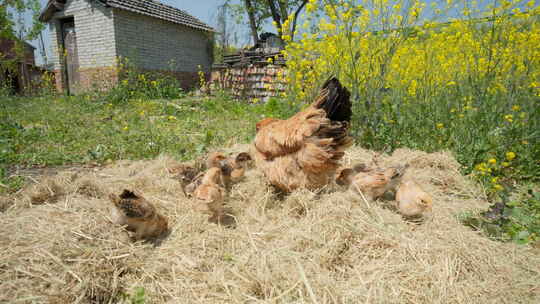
(89, 36)
(18, 68)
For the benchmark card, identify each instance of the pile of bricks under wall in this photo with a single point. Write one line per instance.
(250, 82)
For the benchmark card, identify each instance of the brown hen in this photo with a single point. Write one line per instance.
(305, 150)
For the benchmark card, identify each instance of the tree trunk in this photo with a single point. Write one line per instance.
(276, 17)
(252, 23)
(296, 13)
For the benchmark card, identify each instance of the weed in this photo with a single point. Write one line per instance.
(515, 219)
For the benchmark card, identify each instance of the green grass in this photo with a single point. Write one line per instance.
(475, 128)
(52, 131)
(74, 130)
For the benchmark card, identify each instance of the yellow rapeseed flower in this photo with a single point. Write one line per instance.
(481, 167)
(516, 108)
(171, 117)
(126, 128)
(492, 161)
(505, 164)
(509, 117)
(497, 187)
(510, 155)
(440, 126)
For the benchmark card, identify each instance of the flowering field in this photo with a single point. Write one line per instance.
(433, 75)
(478, 73)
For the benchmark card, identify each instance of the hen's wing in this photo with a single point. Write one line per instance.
(327, 118)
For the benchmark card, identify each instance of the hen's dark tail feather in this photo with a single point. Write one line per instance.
(337, 104)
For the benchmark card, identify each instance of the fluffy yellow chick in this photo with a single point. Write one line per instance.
(211, 191)
(371, 183)
(139, 215)
(412, 200)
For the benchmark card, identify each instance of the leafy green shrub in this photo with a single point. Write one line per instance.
(137, 84)
(516, 219)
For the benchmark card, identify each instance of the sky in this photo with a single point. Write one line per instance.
(204, 10)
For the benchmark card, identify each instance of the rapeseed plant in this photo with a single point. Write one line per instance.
(458, 75)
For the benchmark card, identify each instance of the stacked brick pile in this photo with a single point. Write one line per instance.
(255, 74)
(251, 81)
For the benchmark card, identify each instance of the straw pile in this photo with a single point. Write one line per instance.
(57, 244)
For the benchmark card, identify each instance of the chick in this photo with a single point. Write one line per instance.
(412, 200)
(138, 214)
(370, 183)
(211, 191)
(238, 166)
(215, 159)
(190, 186)
(186, 174)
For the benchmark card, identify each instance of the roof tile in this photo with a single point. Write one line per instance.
(159, 10)
(150, 8)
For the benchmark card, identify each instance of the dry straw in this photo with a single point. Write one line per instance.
(58, 244)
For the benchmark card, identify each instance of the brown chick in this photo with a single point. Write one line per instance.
(238, 166)
(138, 214)
(211, 192)
(193, 184)
(186, 174)
(215, 159)
(412, 200)
(371, 183)
(304, 151)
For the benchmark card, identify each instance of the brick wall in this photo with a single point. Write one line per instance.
(95, 33)
(155, 44)
(95, 38)
(151, 44)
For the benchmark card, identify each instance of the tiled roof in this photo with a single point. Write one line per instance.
(159, 10)
(144, 7)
